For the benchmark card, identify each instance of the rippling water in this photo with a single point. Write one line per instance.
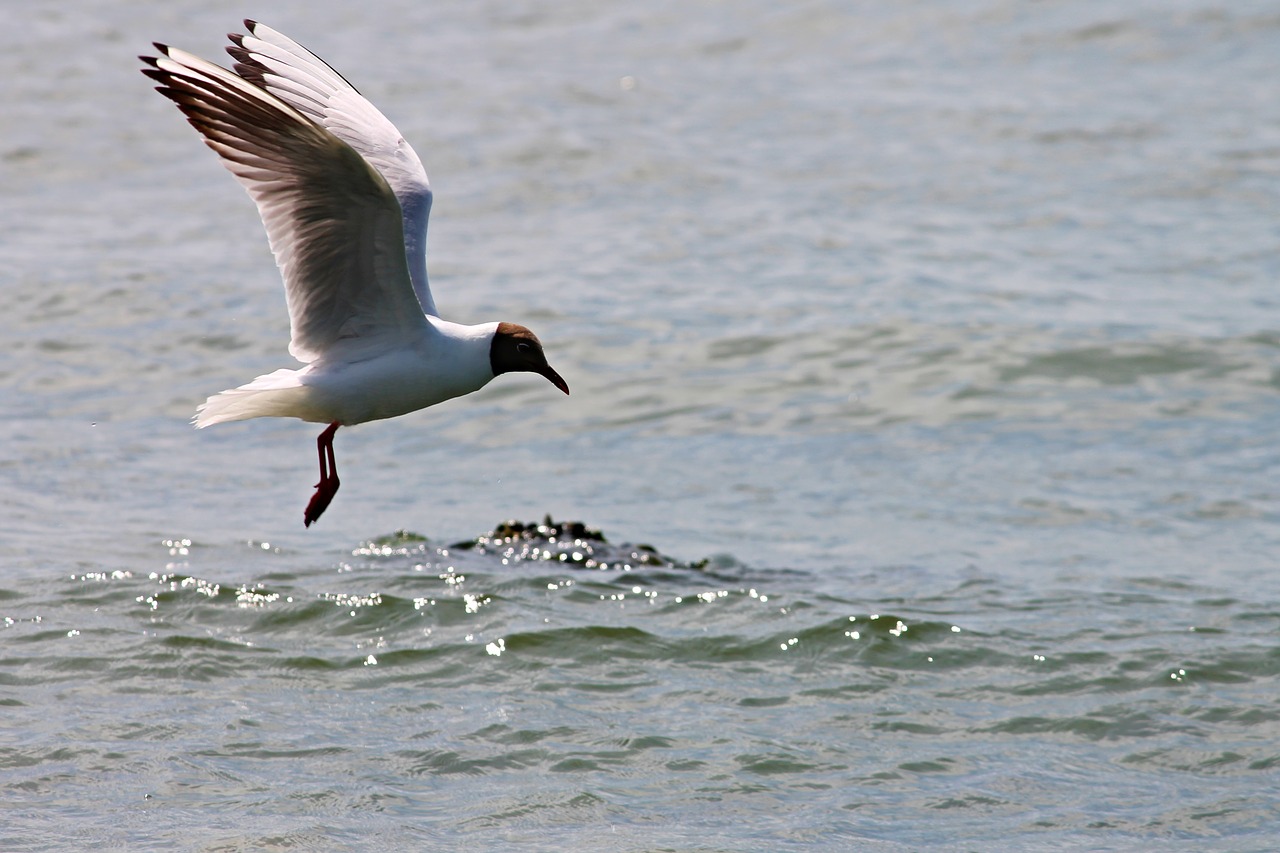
(931, 350)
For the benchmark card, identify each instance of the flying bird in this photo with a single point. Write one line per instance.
(345, 202)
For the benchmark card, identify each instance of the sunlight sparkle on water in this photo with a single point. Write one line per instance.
(104, 576)
(177, 547)
(246, 597)
(343, 599)
(202, 586)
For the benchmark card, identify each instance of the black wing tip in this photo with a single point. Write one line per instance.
(237, 39)
(247, 65)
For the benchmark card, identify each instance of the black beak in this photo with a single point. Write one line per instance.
(554, 378)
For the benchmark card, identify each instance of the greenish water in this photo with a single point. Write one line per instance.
(414, 695)
(930, 349)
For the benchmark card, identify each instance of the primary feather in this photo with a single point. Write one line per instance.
(306, 82)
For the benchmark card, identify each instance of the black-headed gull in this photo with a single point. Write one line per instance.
(345, 202)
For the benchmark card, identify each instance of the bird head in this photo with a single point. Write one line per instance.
(516, 349)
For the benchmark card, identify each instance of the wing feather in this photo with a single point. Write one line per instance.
(333, 222)
(306, 82)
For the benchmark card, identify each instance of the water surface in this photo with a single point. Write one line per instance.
(933, 346)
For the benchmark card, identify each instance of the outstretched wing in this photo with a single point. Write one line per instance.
(307, 83)
(332, 220)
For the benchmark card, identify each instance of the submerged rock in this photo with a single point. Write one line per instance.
(571, 542)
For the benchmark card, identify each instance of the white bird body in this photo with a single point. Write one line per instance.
(450, 362)
(345, 203)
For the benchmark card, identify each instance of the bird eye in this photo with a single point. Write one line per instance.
(524, 348)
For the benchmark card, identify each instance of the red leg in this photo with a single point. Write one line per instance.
(328, 485)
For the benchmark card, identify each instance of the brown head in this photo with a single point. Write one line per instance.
(515, 348)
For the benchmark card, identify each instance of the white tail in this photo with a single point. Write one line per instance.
(276, 395)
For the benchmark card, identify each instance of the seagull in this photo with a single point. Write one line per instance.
(344, 200)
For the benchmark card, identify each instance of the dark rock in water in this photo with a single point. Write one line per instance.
(549, 530)
(399, 538)
(570, 542)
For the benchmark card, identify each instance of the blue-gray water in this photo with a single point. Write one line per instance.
(946, 334)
